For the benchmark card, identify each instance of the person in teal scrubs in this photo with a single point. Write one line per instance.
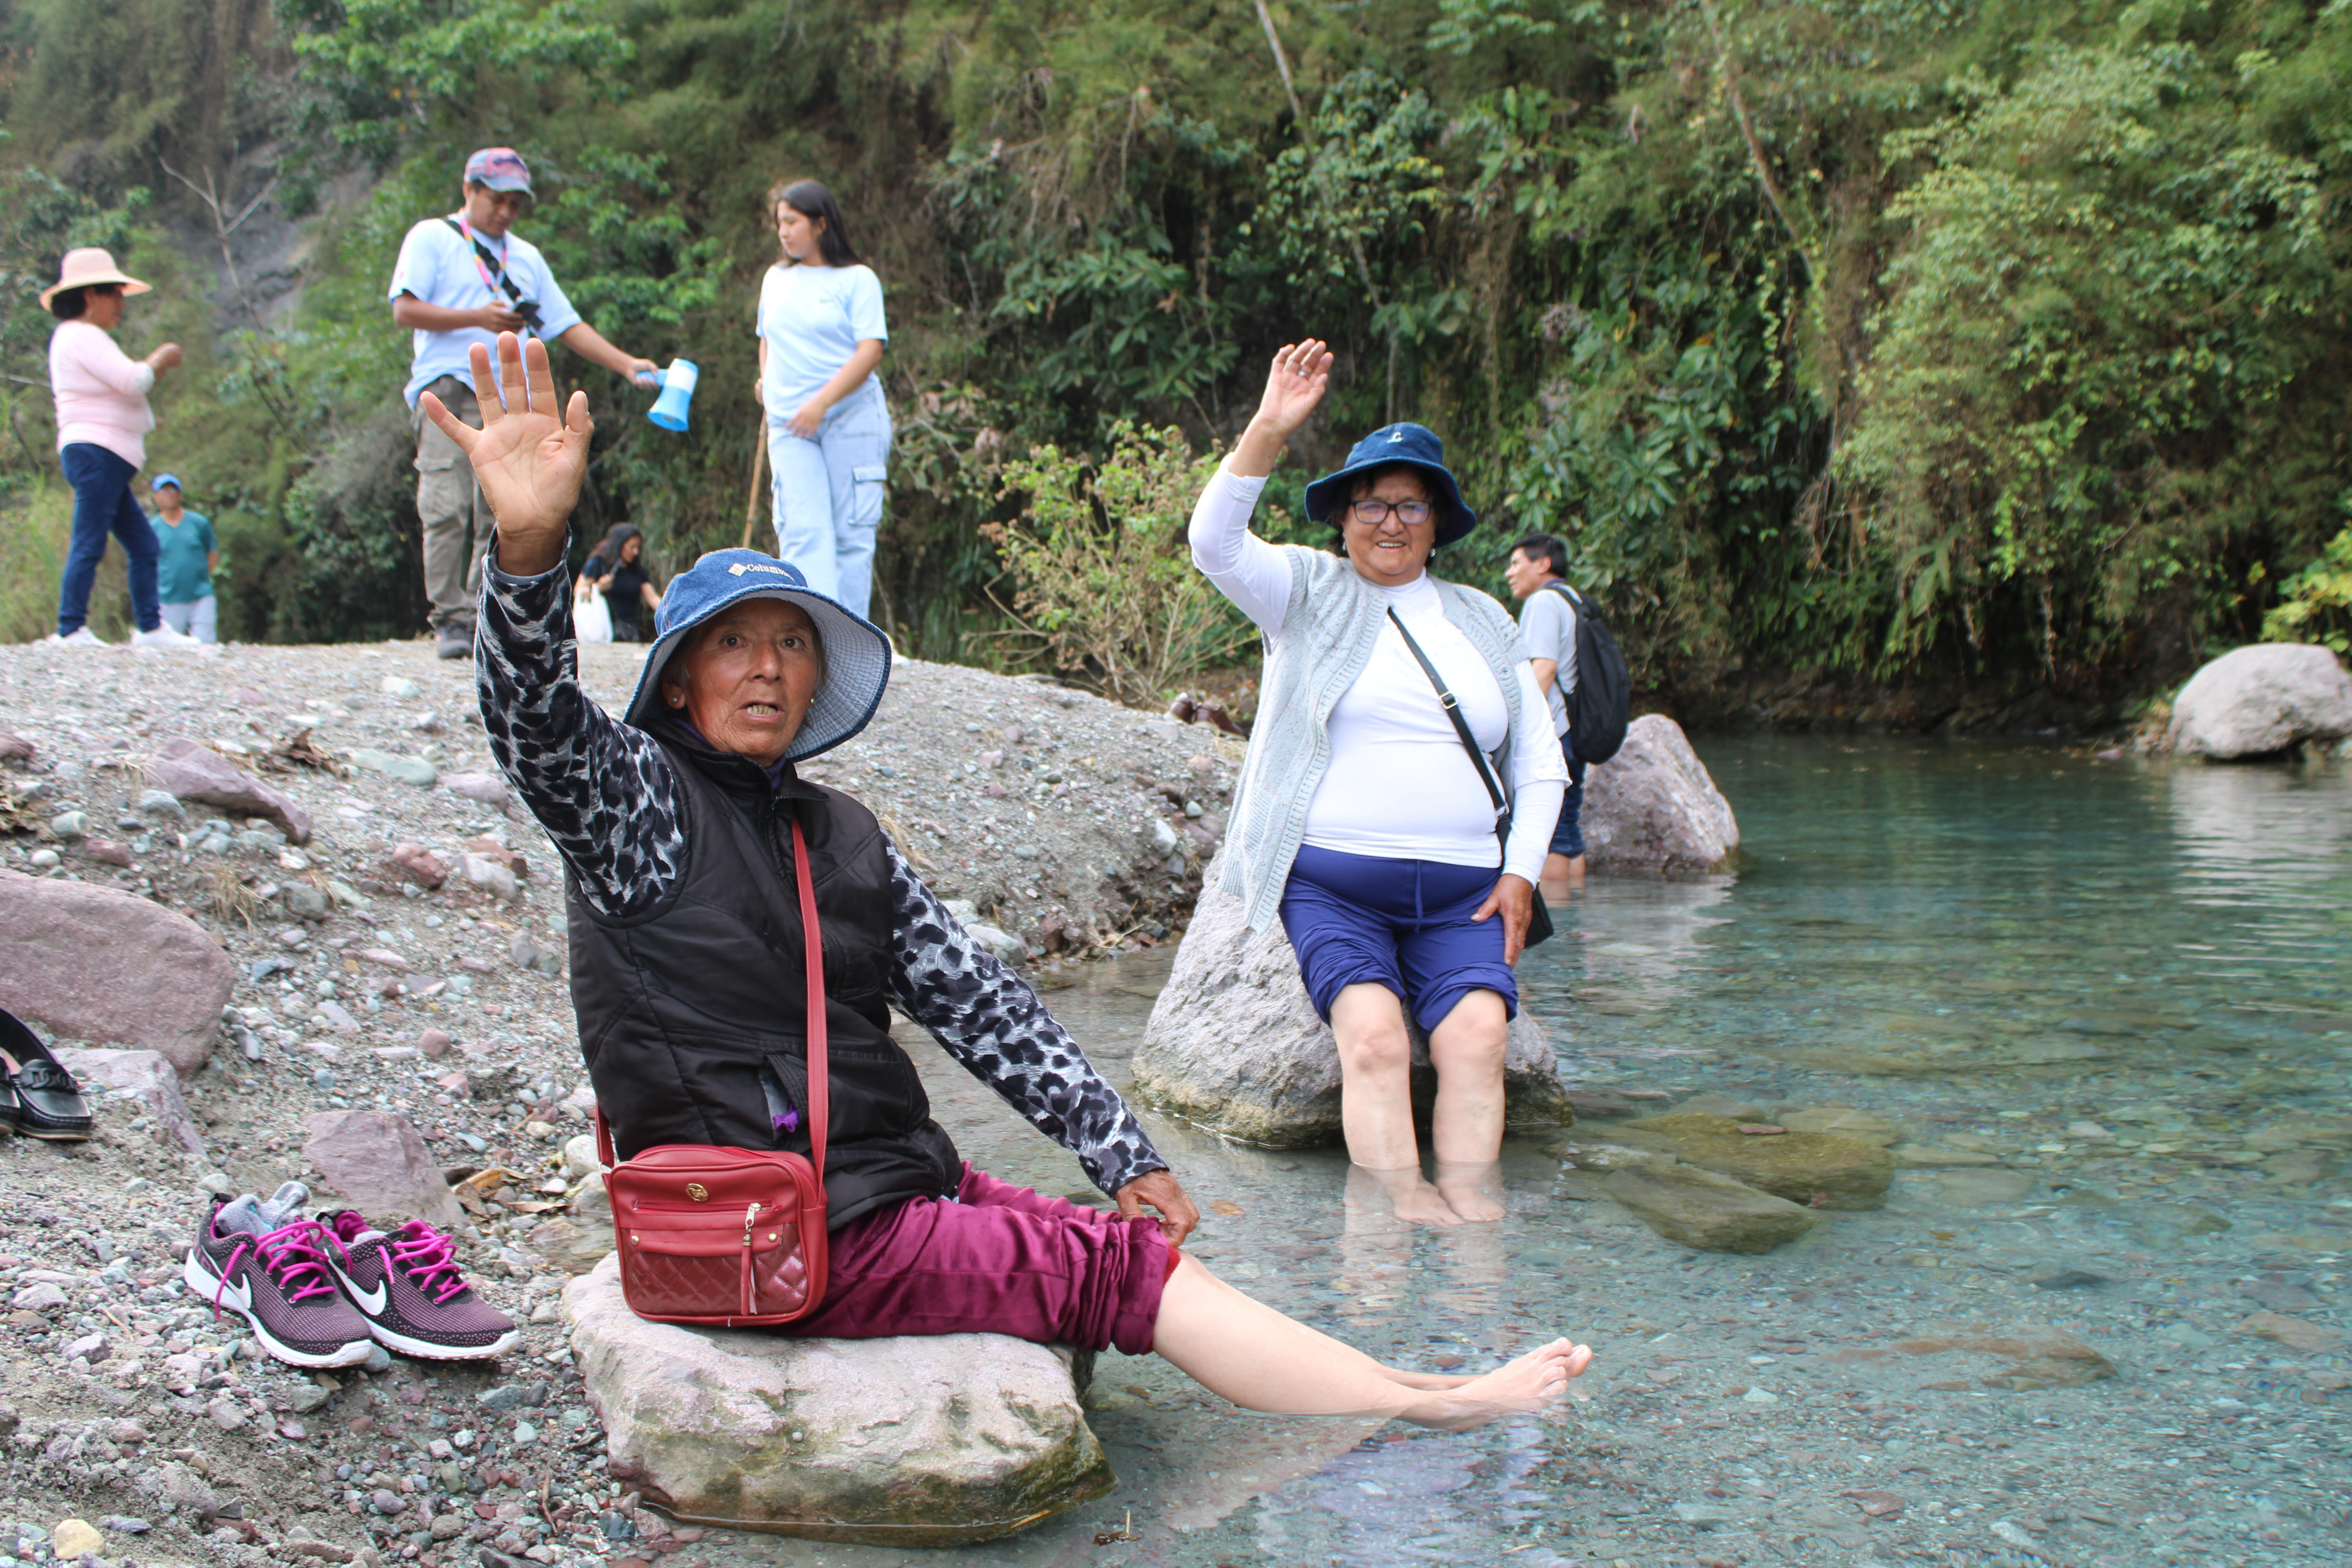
(189, 556)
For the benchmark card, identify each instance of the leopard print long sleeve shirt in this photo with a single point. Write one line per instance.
(607, 795)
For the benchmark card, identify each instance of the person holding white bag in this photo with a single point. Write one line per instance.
(613, 584)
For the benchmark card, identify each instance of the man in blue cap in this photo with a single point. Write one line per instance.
(186, 557)
(461, 280)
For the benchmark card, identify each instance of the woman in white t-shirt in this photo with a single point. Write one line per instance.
(821, 336)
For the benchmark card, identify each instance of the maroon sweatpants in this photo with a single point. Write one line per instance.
(1001, 1259)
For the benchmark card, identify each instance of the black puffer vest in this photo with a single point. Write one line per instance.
(691, 1017)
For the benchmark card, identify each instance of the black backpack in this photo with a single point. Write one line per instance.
(1602, 703)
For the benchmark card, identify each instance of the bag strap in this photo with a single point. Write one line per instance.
(485, 259)
(820, 1087)
(820, 1081)
(1453, 707)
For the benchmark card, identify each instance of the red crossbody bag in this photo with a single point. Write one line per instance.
(730, 1237)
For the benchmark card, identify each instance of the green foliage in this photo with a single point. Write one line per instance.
(2315, 604)
(1107, 593)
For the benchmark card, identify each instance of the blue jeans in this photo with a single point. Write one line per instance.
(828, 495)
(103, 505)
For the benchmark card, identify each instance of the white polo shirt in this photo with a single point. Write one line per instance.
(438, 265)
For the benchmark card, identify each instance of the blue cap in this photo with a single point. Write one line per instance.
(1415, 447)
(856, 653)
(499, 168)
(163, 480)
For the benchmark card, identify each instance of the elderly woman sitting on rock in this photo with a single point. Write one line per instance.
(675, 824)
(1364, 820)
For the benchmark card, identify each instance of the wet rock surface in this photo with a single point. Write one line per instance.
(1703, 1210)
(1820, 1169)
(2261, 699)
(938, 1440)
(1234, 1046)
(1653, 808)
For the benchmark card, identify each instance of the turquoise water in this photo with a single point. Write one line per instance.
(2124, 991)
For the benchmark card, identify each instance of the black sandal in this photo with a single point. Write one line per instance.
(48, 1101)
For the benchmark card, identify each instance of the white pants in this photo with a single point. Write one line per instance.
(828, 495)
(194, 618)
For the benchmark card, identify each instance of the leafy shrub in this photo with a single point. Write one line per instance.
(1107, 591)
(2317, 601)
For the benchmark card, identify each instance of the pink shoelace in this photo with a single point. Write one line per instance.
(292, 1257)
(428, 1258)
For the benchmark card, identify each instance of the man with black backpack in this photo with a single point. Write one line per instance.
(1583, 679)
(461, 280)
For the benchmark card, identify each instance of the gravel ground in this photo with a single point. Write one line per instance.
(1075, 825)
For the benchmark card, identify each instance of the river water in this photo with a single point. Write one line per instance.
(2124, 991)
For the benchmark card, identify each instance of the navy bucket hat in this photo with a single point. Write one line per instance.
(1415, 447)
(856, 652)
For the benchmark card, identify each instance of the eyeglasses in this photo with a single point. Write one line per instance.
(1372, 513)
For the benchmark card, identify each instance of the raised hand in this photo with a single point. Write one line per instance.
(528, 457)
(1295, 384)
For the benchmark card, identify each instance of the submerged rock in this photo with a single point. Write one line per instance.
(936, 1440)
(95, 963)
(1651, 808)
(1819, 1170)
(1233, 1044)
(1703, 1210)
(2253, 702)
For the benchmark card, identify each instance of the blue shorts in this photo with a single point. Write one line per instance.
(1567, 834)
(1405, 924)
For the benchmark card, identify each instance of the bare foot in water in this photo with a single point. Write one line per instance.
(1421, 1204)
(1528, 1384)
(1435, 1382)
(1475, 1193)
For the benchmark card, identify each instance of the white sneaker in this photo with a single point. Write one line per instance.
(85, 637)
(164, 636)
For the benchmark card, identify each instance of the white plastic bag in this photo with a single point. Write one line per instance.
(592, 620)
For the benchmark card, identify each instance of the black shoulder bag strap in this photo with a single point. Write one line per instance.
(1539, 928)
(490, 262)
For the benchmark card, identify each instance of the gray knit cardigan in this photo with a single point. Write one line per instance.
(1328, 629)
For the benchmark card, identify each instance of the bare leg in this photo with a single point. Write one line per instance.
(1466, 1048)
(1245, 1351)
(1562, 875)
(1376, 1099)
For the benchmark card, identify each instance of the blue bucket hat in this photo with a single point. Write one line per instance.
(856, 652)
(1415, 447)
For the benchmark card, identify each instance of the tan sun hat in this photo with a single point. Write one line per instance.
(92, 264)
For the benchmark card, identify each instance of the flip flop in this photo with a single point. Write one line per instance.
(48, 1102)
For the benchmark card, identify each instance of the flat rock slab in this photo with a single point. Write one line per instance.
(143, 1076)
(189, 770)
(1820, 1169)
(99, 964)
(1234, 1044)
(937, 1440)
(1700, 1209)
(379, 1162)
(2254, 701)
(1653, 807)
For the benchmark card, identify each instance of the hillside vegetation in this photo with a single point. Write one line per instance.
(1896, 337)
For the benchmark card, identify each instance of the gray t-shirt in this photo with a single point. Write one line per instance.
(1548, 625)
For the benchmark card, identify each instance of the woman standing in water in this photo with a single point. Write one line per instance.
(821, 336)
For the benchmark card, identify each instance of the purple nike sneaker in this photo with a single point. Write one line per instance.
(408, 1287)
(267, 1263)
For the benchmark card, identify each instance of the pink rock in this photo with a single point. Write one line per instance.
(194, 772)
(99, 964)
(992, 759)
(379, 1162)
(487, 788)
(473, 965)
(414, 863)
(456, 1085)
(387, 959)
(106, 851)
(491, 849)
(16, 749)
(434, 1043)
(995, 790)
(143, 1076)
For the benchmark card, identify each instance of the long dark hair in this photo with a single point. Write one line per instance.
(608, 549)
(812, 200)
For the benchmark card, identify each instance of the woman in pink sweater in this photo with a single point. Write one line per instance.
(103, 425)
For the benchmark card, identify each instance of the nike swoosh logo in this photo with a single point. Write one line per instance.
(370, 1302)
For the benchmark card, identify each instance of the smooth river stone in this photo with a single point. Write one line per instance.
(1700, 1209)
(1816, 1169)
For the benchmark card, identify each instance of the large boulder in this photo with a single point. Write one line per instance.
(141, 1075)
(100, 965)
(378, 1161)
(936, 1440)
(1234, 1044)
(2253, 702)
(1653, 808)
(189, 770)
